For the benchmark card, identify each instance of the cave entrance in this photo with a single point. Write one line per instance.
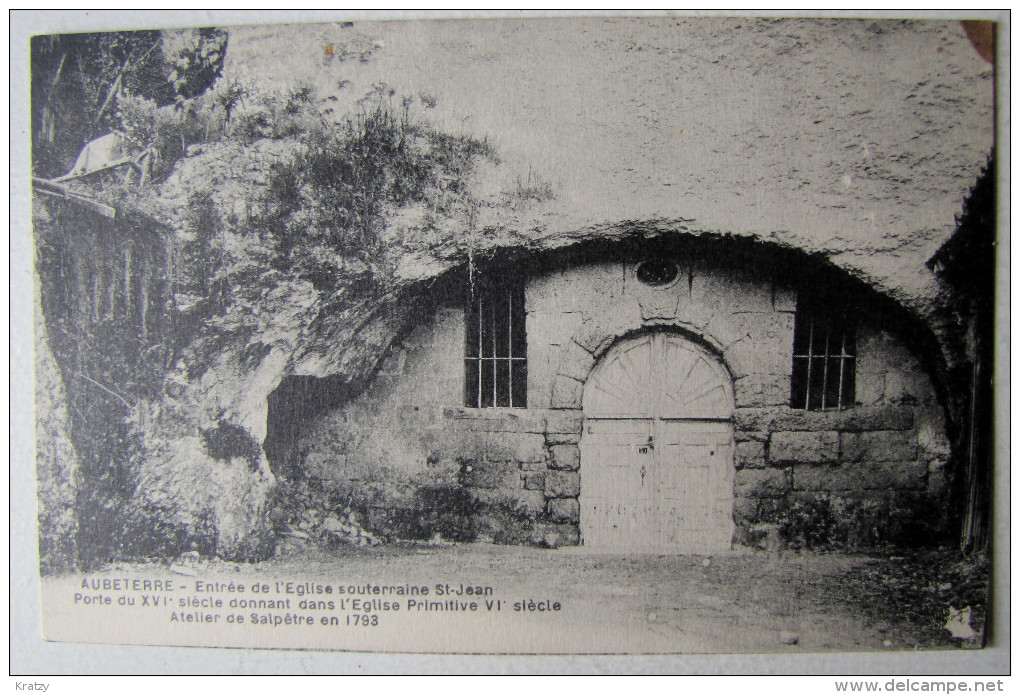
(291, 405)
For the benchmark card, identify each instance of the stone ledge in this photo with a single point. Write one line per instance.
(496, 419)
(857, 419)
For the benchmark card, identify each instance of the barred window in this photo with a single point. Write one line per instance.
(495, 351)
(824, 357)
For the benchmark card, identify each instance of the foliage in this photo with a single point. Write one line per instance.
(77, 78)
(327, 210)
(322, 215)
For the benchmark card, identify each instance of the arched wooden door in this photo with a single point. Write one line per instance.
(657, 450)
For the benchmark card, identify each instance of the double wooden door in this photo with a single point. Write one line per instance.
(657, 451)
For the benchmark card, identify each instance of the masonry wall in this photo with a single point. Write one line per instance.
(863, 476)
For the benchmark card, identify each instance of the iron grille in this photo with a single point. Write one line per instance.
(495, 355)
(824, 359)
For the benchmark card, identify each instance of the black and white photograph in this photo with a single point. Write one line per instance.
(649, 334)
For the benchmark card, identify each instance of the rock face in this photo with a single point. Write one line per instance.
(56, 462)
(770, 133)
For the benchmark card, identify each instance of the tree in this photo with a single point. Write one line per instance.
(77, 77)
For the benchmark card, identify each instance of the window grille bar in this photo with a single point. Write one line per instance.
(825, 362)
(510, 349)
(810, 346)
(842, 363)
(492, 327)
(478, 399)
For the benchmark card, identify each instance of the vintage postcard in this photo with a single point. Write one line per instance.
(519, 335)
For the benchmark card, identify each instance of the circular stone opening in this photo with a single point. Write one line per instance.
(657, 273)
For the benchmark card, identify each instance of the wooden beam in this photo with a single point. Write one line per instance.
(58, 191)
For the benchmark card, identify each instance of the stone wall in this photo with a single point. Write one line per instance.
(868, 468)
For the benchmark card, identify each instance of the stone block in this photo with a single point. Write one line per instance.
(565, 457)
(564, 422)
(490, 475)
(562, 484)
(519, 448)
(761, 390)
(773, 510)
(745, 510)
(750, 455)
(750, 436)
(564, 510)
(554, 438)
(909, 475)
(886, 445)
(529, 503)
(605, 324)
(555, 535)
(658, 305)
(694, 314)
(803, 447)
(740, 359)
(767, 482)
(567, 393)
(575, 362)
(534, 480)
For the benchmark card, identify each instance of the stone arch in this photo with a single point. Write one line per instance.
(595, 335)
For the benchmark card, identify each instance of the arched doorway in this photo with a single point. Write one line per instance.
(657, 449)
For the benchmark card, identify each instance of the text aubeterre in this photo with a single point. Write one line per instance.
(286, 603)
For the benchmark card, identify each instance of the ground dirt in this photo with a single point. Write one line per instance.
(745, 601)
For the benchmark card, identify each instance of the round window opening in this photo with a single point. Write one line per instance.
(657, 273)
